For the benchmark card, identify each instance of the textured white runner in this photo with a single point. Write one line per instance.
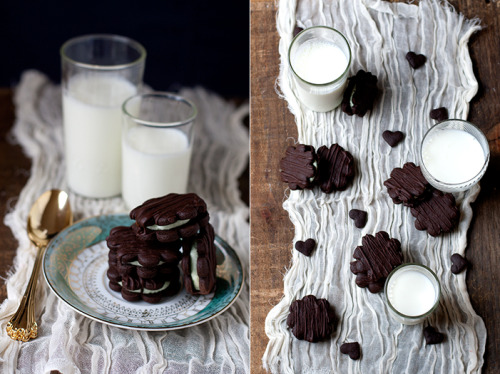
(380, 34)
(71, 343)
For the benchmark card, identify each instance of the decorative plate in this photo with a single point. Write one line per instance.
(75, 265)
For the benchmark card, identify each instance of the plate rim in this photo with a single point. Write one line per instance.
(221, 241)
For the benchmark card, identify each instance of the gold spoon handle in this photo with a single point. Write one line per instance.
(22, 326)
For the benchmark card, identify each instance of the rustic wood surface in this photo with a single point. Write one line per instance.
(272, 124)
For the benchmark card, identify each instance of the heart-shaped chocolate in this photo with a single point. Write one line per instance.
(393, 138)
(351, 349)
(296, 30)
(439, 114)
(307, 247)
(458, 263)
(359, 217)
(415, 60)
(432, 336)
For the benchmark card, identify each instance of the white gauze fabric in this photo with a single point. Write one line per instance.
(71, 343)
(380, 35)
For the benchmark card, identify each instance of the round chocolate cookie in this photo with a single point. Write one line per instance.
(311, 319)
(199, 263)
(336, 168)
(169, 218)
(408, 185)
(299, 166)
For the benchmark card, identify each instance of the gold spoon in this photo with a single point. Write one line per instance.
(48, 216)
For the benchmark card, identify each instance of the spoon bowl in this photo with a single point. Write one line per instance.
(49, 215)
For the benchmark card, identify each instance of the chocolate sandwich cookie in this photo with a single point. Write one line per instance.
(199, 262)
(311, 319)
(407, 185)
(151, 290)
(169, 218)
(336, 168)
(299, 167)
(360, 94)
(375, 259)
(133, 280)
(438, 214)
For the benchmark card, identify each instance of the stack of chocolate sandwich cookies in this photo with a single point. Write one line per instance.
(144, 258)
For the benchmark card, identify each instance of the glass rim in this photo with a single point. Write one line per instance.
(126, 40)
(468, 181)
(434, 306)
(165, 95)
(339, 78)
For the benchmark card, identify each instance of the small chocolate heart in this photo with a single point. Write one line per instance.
(296, 30)
(439, 114)
(351, 349)
(459, 263)
(307, 247)
(393, 138)
(432, 336)
(415, 60)
(359, 216)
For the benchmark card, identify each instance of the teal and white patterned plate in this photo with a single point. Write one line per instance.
(75, 266)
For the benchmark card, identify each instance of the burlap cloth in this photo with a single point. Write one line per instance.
(71, 343)
(380, 35)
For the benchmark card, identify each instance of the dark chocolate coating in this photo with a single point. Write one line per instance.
(375, 259)
(171, 290)
(168, 209)
(408, 185)
(360, 94)
(393, 138)
(438, 214)
(432, 336)
(297, 167)
(359, 216)
(306, 247)
(206, 265)
(459, 263)
(439, 114)
(336, 168)
(351, 349)
(311, 319)
(415, 60)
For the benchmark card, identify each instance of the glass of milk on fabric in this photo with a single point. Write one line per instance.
(319, 58)
(98, 73)
(157, 138)
(412, 292)
(454, 155)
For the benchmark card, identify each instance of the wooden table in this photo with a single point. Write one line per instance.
(272, 124)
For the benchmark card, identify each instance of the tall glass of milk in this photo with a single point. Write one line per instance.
(454, 155)
(319, 58)
(157, 138)
(412, 292)
(98, 73)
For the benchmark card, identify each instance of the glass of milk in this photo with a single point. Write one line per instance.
(157, 138)
(98, 73)
(319, 58)
(454, 155)
(412, 292)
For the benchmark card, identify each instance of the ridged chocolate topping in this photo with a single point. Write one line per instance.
(311, 319)
(168, 209)
(376, 258)
(336, 168)
(438, 214)
(407, 185)
(297, 167)
(206, 264)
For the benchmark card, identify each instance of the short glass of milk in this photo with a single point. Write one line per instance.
(412, 292)
(319, 58)
(157, 136)
(98, 73)
(454, 155)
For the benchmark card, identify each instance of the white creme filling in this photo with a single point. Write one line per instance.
(136, 263)
(194, 261)
(315, 165)
(168, 227)
(146, 291)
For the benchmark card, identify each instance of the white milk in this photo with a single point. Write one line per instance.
(411, 292)
(320, 62)
(155, 163)
(92, 130)
(452, 156)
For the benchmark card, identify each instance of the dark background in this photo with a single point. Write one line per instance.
(188, 43)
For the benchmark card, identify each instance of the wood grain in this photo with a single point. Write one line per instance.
(271, 125)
